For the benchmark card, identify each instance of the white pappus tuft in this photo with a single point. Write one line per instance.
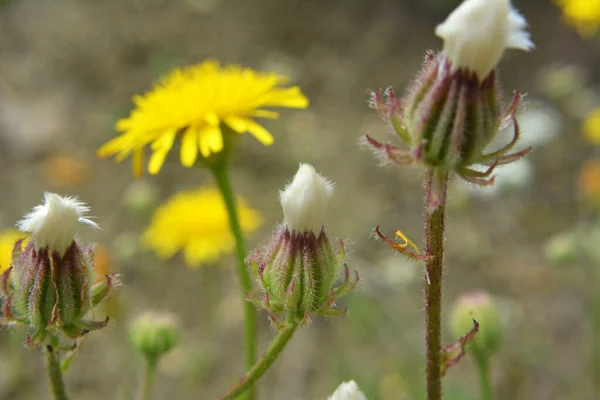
(477, 32)
(304, 200)
(53, 224)
(347, 391)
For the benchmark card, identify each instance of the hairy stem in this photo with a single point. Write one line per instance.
(258, 370)
(221, 175)
(435, 208)
(148, 378)
(55, 376)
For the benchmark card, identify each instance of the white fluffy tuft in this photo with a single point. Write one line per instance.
(305, 199)
(477, 32)
(54, 223)
(347, 391)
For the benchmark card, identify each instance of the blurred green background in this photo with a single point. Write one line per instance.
(68, 69)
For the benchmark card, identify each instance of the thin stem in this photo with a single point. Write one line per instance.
(596, 334)
(483, 371)
(435, 208)
(55, 376)
(148, 379)
(222, 177)
(258, 370)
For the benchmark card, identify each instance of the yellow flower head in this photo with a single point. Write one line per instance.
(194, 103)
(591, 126)
(7, 243)
(197, 223)
(584, 15)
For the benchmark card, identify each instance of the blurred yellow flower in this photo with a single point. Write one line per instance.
(584, 15)
(7, 243)
(589, 182)
(197, 223)
(195, 103)
(591, 126)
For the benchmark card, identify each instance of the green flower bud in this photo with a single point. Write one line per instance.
(561, 248)
(50, 285)
(298, 269)
(154, 334)
(141, 198)
(480, 307)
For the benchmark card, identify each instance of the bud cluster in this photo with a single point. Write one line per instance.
(299, 268)
(51, 284)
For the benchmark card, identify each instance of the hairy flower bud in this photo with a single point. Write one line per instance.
(154, 334)
(480, 307)
(453, 110)
(52, 284)
(299, 267)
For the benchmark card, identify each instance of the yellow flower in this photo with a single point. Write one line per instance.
(584, 15)
(195, 103)
(591, 126)
(197, 223)
(7, 243)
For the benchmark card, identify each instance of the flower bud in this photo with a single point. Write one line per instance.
(154, 334)
(453, 110)
(480, 307)
(299, 267)
(562, 248)
(52, 283)
(347, 391)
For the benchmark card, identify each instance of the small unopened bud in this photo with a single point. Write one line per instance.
(480, 307)
(347, 391)
(154, 334)
(299, 267)
(141, 198)
(562, 248)
(52, 283)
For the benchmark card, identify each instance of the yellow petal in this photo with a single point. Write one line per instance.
(291, 97)
(189, 147)
(211, 140)
(240, 125)
(212, 119)
(265, 114)
(260, 133)
(165, 142)
(138, 163)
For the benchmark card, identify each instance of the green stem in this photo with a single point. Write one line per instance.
(55, 376)
(596, 333)
(258, 370)
(148, 379)
(483, 370)
(435, 208)
(222, 177)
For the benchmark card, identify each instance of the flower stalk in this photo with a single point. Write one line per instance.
(221, 175)
(435, 206)
(266, 361)
(148, 379)
(55, 376)
(483, 371)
